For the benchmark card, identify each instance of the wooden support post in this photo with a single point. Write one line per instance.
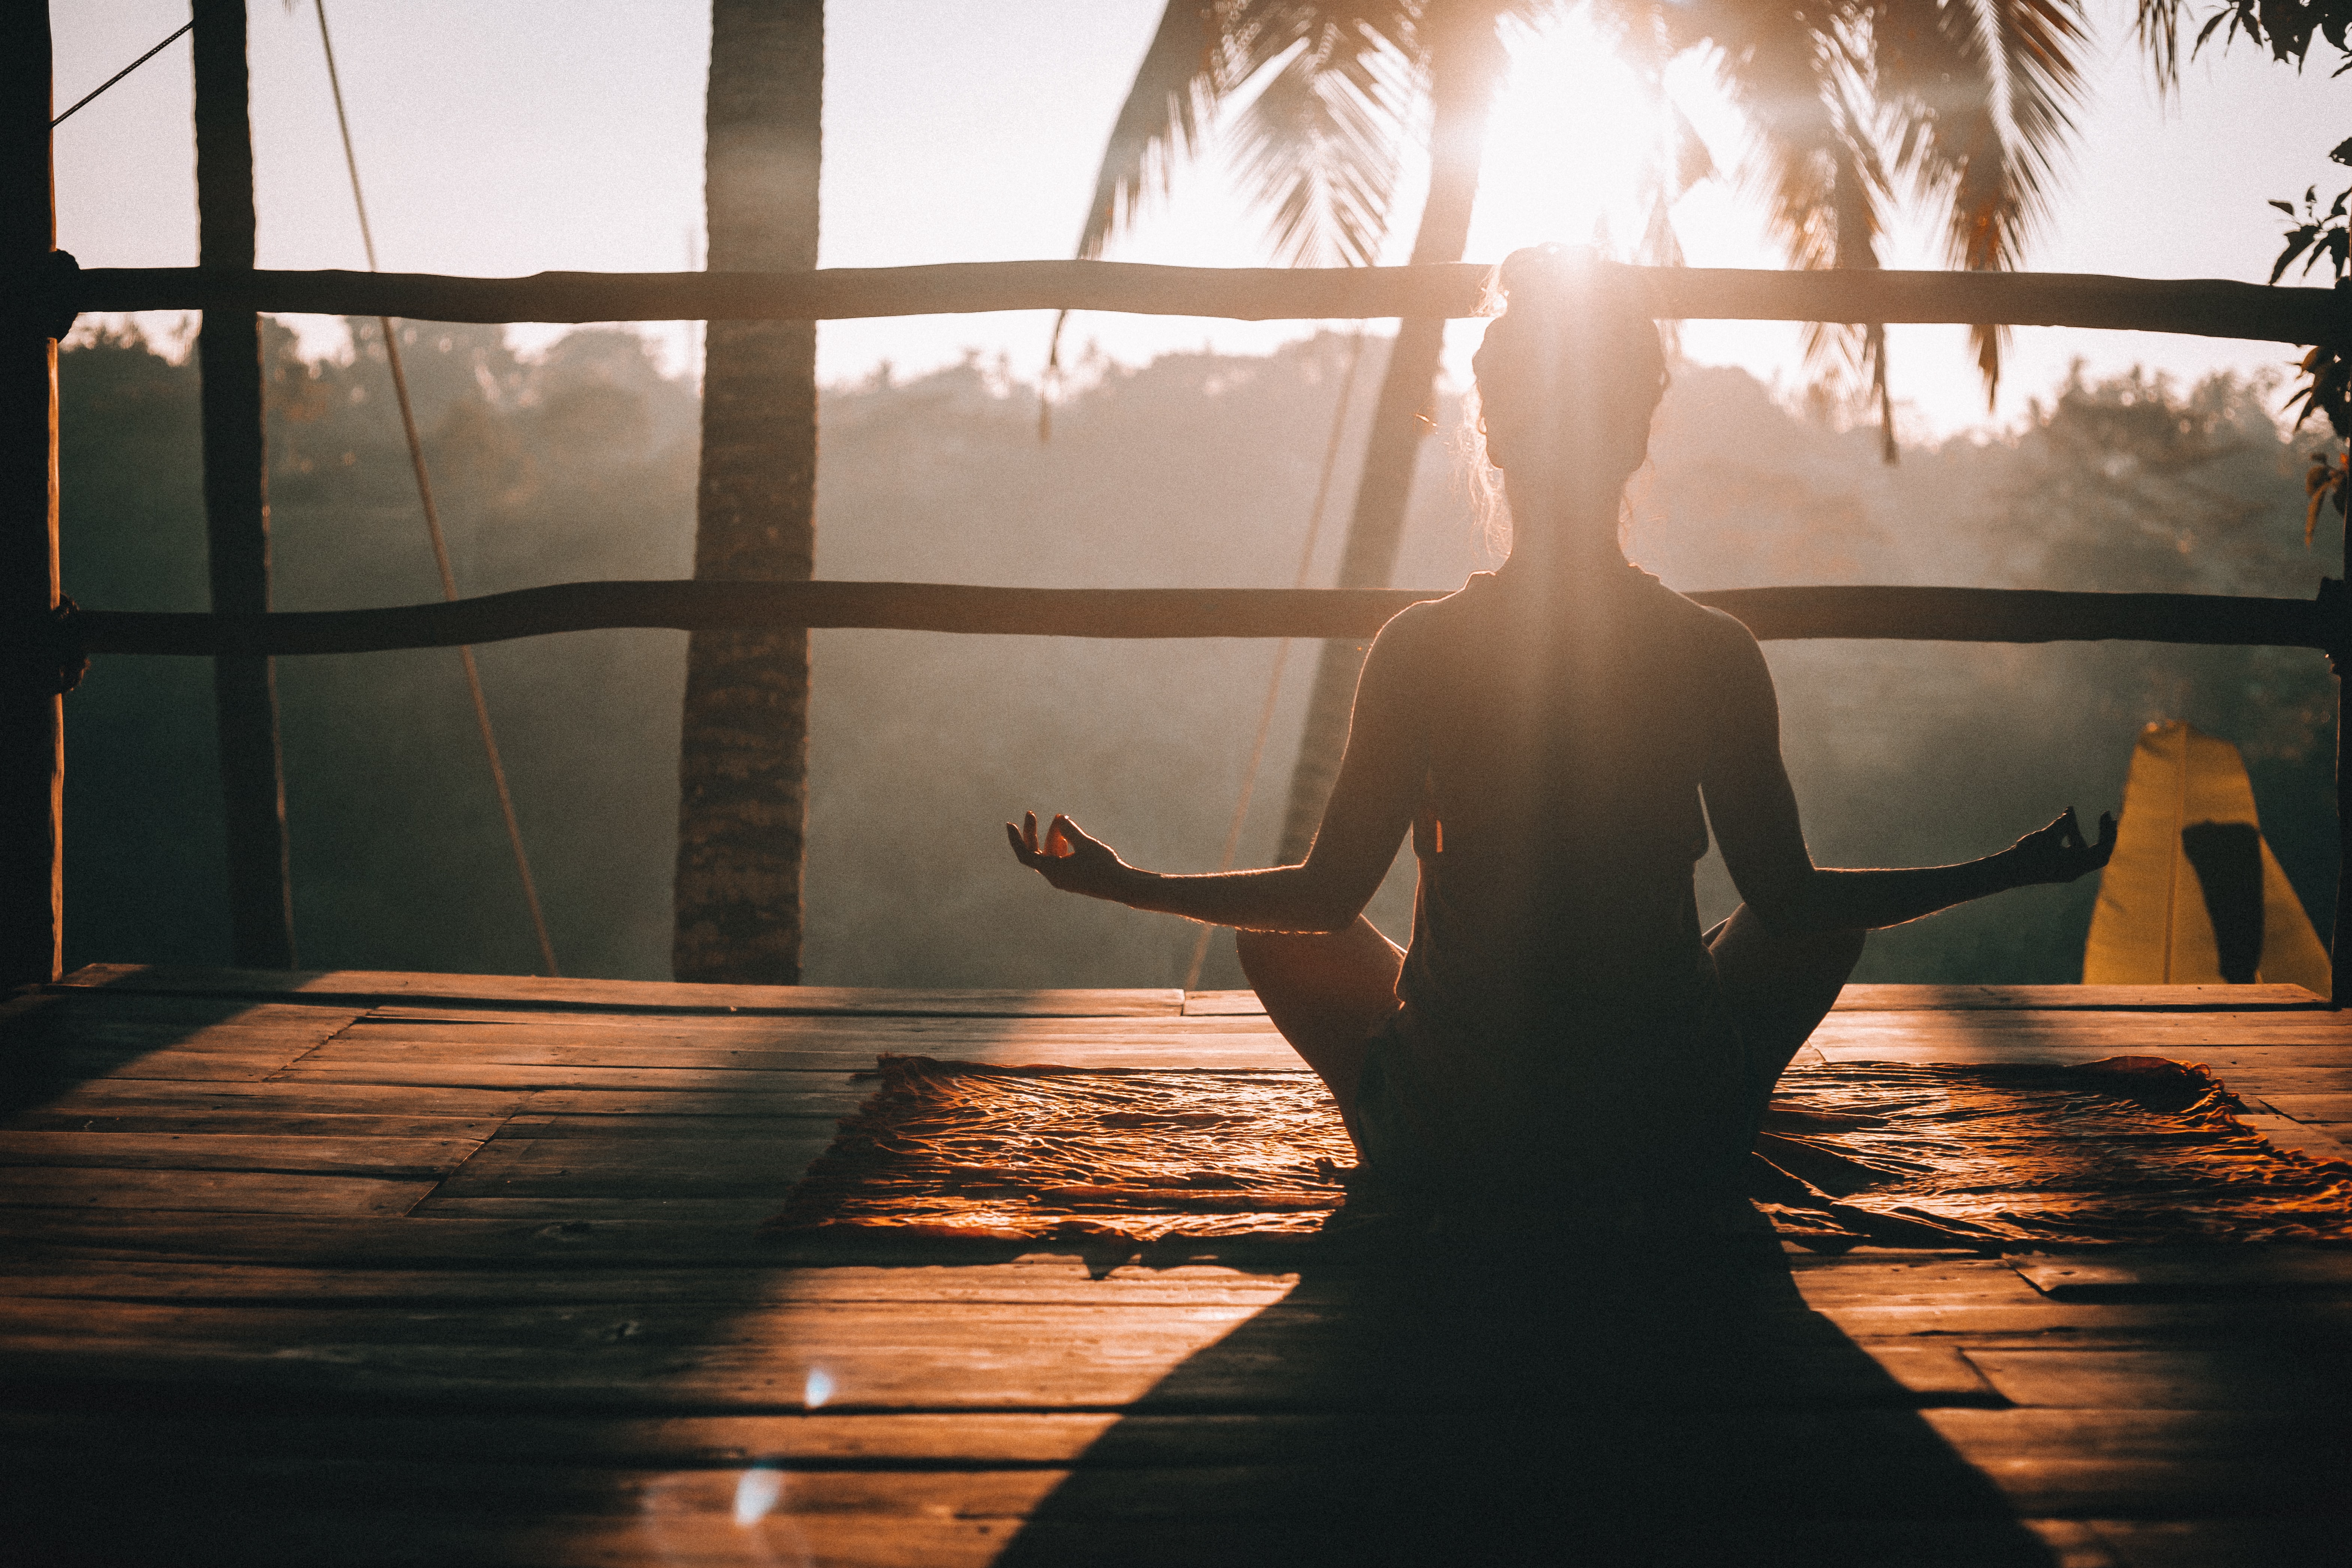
(2335, 614)
(32, 715)
(236, 500)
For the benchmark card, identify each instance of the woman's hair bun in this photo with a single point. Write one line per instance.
(1566, 303)
(1538, 275)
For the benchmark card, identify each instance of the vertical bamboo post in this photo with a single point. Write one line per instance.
(2339, 657)
(32, 715)
(236, 500)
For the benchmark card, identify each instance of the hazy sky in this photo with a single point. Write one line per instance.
(508, 136)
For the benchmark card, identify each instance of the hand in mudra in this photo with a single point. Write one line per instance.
(2059, 853)
(1068, 858)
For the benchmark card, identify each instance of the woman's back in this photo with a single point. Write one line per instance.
(1556, 967)
(1561, 813)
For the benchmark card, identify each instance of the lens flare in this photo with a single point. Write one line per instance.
(757, 1492)
(819, 1390)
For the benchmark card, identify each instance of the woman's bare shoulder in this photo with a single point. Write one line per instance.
(1427, 618)
(1719, 639)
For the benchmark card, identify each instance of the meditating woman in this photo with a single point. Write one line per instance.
(1559, 1032)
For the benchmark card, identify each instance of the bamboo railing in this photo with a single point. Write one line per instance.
(2204, 307)
(1910, 615)
(41, 291)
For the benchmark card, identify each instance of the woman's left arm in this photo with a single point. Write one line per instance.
(1371, 804)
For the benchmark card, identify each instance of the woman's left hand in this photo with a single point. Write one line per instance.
(1070, 860)
(2059, 852)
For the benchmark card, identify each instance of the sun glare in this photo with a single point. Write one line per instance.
(1575, 137)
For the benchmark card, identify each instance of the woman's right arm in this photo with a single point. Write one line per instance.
(1753, 814)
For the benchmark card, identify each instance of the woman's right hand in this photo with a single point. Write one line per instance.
(1069, 860)
(2059, 853)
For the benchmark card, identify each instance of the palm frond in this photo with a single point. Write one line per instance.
(1981, 95)
(1175, 91)
(1812, 158)
(1319, 146)
(2156, 27)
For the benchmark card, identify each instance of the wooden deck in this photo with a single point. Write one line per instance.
(379, 1267)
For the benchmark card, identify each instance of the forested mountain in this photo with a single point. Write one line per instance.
(1196, 470)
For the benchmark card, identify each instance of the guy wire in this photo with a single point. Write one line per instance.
(432, 520)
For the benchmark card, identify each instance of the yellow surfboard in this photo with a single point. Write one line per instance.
(2193, 895)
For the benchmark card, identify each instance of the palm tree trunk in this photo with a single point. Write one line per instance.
(236, 502)
(1465, 67)
(744, 755)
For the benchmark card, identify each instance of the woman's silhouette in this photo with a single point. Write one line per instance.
(1560, 1031)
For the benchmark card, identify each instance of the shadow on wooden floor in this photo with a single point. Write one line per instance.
(1613, 1408)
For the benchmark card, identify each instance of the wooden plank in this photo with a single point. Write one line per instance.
(1882, 998)
(1222, 1003)
(1057, 1281)
(299, 1238)
(2117, 1325)
(1472, 1495)
(783, 1030)
(2186, 1272)
(2118, 1033)
(232, 1192)
(714, 1164)
(67, 1068)
(2158, 1542)
(829, 1094)
(1933, 1280)
(740, 1213)
(950, 1521)
(403, 1159)
(783, 1075)
(496, 1048)
(48, 1051)
(274, 1124)
(804, 1118)
(883, 1355)
(165, 1020)
(987, 1439)
(1266, 1053)
(2285, 1132)
(137, 1096)
(373, 987)
(754, 1085)
(2237, 1377)
(2320, 1109)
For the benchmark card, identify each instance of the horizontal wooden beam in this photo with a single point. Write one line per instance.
(2207, 306)
(1911, 614)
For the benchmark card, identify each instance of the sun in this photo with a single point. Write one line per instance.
(1576, 137)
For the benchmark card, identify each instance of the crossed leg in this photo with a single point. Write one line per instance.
(1780, 987)
(1327, 991)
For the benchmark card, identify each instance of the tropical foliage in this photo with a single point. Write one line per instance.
(582, 460)
(1851, 106)
(2287, 28)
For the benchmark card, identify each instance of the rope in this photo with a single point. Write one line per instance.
(117, 76)
(433, 523)
(1282, 650)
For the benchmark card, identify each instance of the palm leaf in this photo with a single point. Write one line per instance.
(1814, 159)
(1318, 144)
(1174, 90)
(1980, 94)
